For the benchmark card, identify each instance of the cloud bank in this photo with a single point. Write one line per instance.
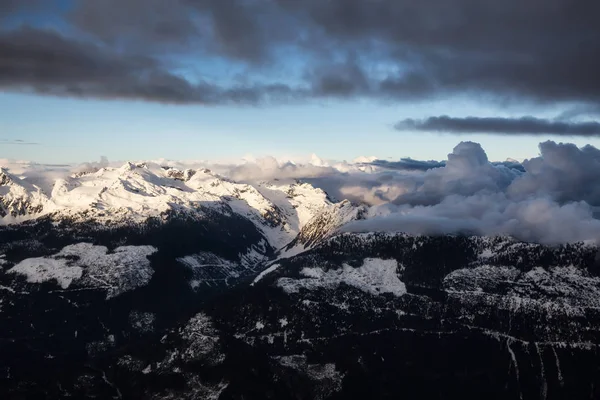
(502, 126)
(284, 50)
(552, 198)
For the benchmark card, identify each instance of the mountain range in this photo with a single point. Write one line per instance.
(147, 281)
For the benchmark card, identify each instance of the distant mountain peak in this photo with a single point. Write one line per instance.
(137, 191)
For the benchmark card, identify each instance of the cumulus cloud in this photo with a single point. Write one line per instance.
(268, 168)
(552, 200)
(562, 172)
(535, 219)
(467, 171)
(501, 126)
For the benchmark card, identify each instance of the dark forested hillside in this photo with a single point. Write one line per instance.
(151, 312)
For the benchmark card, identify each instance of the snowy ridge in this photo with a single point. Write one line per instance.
(19, 198)
(264, 273)
(136, 192)
(324, 225)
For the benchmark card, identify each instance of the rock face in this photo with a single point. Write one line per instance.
(325, 224)
(194, 309)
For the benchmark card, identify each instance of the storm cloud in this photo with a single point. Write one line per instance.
(501, 126)
(51, 64)
(280, 51)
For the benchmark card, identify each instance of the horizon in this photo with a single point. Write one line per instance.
(81, 79)
(248, 158)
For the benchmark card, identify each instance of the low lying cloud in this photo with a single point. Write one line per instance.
(268, 168)
(535, 219)
(551, 198)
(501, 126)
(92, 166)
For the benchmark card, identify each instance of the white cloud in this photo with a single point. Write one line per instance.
(549, 198)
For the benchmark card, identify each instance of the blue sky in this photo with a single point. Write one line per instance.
(74, 130)
(129, 79)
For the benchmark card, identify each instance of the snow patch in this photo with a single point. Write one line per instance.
(376, 276)
(328, 380)
(567, 286)
(124, 269)
(265, 273)
(39, 270)
(138, 191)
(486, 254)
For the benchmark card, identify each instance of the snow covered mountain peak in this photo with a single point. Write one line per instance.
(324, 225)
(19, 198)
(135, 192)
(4, 178)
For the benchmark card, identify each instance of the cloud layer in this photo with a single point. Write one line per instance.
(551, 198)
(502, 126)
(285, 50)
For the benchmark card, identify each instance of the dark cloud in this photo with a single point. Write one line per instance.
(536, 51)
(149, 24)
(501, 126)
(543, 50)
(10, 6)
(242, 30)
(49, 63)
(408, 164)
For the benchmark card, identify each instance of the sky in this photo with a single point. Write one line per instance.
(202, 79)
